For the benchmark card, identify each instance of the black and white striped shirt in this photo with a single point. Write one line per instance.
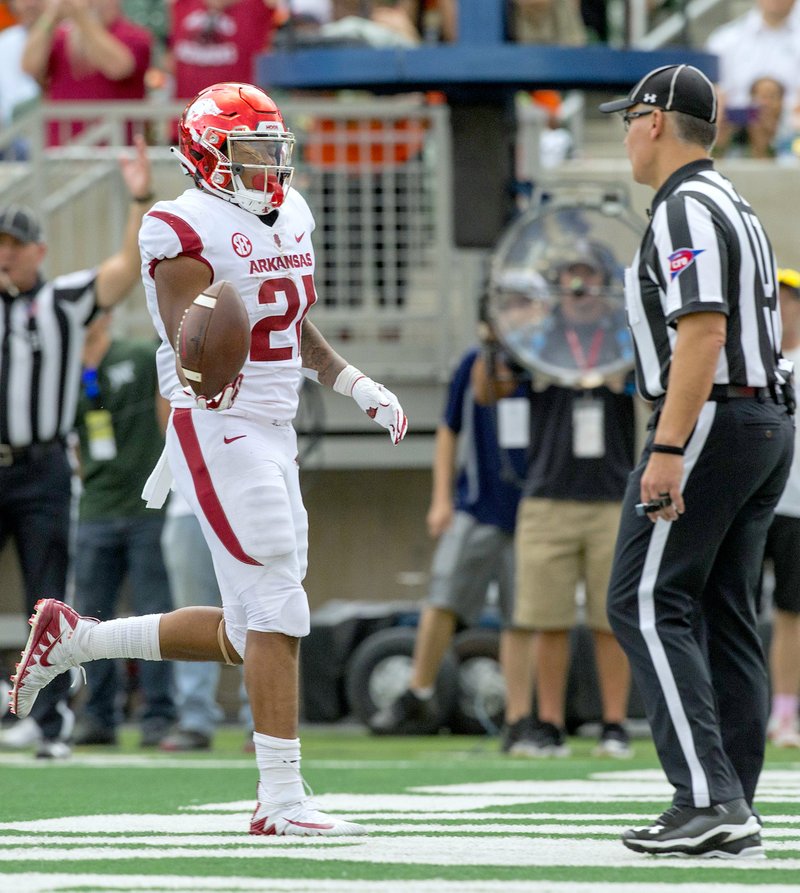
(705, 250)
(41, 340)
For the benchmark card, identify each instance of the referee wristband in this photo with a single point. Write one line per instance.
(667, 448)
(143, 199)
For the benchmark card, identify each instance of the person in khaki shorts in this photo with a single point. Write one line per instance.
(581, 453)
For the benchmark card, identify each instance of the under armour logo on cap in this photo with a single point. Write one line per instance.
(674, 88)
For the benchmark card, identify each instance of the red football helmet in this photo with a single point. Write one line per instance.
(233, 143)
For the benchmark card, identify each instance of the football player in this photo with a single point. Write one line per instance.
(233, 454)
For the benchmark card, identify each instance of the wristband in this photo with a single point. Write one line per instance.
(346, 379)
(667, 448)
(143, 199)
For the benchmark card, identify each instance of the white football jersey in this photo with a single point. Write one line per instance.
(271, 266)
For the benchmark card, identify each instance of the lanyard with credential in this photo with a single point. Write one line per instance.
(583, 362)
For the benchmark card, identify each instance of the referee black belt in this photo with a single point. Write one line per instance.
(720, 393)
(16, 455)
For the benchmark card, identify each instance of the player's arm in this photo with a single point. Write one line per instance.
(179, 280)
(322, 363)
(318, 357)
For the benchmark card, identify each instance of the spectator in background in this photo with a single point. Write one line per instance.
(120, 422)
(581, 453)
(765, 42)
(766, 129)
(212, 41)
(17, 89)
(193, 582)
(759, 130)
(86, 49)
(783, 547)
(40, 367)
(475, 529)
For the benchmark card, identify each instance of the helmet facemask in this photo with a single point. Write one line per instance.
(253, 168)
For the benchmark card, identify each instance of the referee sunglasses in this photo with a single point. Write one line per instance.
(627, 117)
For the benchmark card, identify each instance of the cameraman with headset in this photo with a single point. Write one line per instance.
(581, 451)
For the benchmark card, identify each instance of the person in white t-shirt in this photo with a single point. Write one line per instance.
(765, 42)
(783, 547)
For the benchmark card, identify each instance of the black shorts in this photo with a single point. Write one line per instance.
(783, 547)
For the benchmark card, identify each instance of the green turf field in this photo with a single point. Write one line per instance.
(446, 814)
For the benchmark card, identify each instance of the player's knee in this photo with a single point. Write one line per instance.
(285, 612)
(277, 602)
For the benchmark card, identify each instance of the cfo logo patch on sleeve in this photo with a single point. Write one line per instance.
(681, 259)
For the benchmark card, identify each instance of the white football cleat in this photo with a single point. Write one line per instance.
(302, 819)
(49, 652)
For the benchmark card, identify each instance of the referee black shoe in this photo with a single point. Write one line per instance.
(744, 848)
(691, 831)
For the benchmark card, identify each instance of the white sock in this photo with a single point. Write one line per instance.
(424, 694)
(127, 637)
(278, 761)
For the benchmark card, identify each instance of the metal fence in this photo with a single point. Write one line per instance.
(375, 173)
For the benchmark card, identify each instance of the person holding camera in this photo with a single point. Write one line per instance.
(581, 451)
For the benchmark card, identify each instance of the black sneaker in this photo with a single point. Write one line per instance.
(408, 715)
(517, 738)
(614, 742)
(689, 831)
(744, 848)
(549, 741)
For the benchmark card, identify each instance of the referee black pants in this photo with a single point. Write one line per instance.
(35, 500)
(682, 594)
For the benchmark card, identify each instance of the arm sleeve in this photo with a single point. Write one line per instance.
(693, 257)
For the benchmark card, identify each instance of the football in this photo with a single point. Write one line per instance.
(213, 339)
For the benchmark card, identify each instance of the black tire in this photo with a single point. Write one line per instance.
(378, 672)
(481, 699)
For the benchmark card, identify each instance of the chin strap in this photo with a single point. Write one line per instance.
(221, 641)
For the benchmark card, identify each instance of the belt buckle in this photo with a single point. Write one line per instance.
(6, 454)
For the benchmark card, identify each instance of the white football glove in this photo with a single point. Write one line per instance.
(224, 399)
(378, 402)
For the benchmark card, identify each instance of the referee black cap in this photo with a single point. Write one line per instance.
(674, 88)
(21, 223)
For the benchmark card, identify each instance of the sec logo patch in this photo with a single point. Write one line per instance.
(241, 245)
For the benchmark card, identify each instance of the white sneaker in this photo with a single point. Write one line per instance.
(302, 819)
(53, 750)
(23, 734)
(785, 735)
(49, 652)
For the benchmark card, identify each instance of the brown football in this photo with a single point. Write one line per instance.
(213, 339)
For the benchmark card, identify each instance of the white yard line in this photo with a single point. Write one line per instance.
(55, 883)
(517, 852)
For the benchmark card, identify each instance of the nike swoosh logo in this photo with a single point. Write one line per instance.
(231, 439)
(45, 654)
(299, 238)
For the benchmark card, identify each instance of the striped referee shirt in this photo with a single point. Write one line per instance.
(41, 340)
(705, 250)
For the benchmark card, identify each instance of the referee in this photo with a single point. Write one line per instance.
(702, 306)
(42, 327)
